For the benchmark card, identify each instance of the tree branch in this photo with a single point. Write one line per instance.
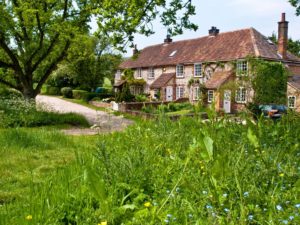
(6, 65)
(2, 81)
(21, 21)
(52, 67)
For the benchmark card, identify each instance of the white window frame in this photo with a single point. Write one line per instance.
(240, 96)
(118, 75)
(179, 92)
(294, 101)
(180, 70)
(151, 73)
(242, 68)
(139, 73)
(210, 96)
(196, 93)
(195, 70)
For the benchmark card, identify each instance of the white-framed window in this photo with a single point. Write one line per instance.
(139, 73)
(118, 75)
(210, 96)
(292, 101)
(179, 92)
(180, 71)
(241, 95)
(151, 73)
(198, 70)
(196, 93)
(242, 68)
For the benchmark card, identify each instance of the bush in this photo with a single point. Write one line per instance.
(141, 98)
(79, 94)
(19, 113)
(67, 92)
(49, 90)
(10, 93)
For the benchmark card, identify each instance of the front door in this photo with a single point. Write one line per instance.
(169, 93)
(227, 101)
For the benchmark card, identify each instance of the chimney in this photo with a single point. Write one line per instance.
(168, 40)
(213, 31)
(135, 50)
(283, 36)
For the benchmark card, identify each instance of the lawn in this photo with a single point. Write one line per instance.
(156, 172)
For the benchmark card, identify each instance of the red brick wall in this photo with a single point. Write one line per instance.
(295, 70)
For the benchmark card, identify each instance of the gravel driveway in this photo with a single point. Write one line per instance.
(101, 121)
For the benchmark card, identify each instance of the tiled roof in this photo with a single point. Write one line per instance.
(217, 79)
(223, 47)
(294, 81)
(162, 80)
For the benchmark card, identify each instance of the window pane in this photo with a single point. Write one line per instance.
(198, 70)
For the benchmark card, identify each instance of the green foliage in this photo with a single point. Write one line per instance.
(49, 90)
(80, 94)
(88, 96)
(124, 95)
(16, 112)
(296, 4)
(141, 98)
(9, 93)
(67, 92)
(269, 82)
(158, 172)
(293, 46)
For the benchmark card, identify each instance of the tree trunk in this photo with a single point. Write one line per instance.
(29, 93)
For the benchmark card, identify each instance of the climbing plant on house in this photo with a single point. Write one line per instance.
(269, 82)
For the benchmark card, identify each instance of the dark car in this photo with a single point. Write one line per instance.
(273, 111)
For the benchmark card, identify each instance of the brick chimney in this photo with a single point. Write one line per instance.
(283, 36)
(213, 31)
(168, 40)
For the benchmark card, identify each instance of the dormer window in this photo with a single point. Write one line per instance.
(242, 68)
(198, 70)
(173, 53)
(180, 71)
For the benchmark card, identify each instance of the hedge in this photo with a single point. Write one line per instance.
(87, 96)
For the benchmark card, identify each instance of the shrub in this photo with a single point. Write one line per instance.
(49, 90)
(141, 98)
(9, 93)
(67, 92)
(19, 113)
(79, 94)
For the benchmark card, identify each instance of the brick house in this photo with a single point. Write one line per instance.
(203, 66)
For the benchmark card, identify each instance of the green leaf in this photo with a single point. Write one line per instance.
(252, 138)
(208, 142)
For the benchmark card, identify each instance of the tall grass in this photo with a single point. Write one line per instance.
(185, 172)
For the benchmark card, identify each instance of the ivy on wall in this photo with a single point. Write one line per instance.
(269, 82)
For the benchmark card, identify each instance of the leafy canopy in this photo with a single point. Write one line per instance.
(35, 36)
(296, 3)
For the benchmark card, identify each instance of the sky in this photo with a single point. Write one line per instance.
(229, 15)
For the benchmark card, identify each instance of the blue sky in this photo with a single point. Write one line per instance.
(229, 15)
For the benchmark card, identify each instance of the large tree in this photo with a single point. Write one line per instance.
(35, 36)
(296, 3)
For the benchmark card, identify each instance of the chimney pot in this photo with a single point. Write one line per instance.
(283, 17)
(135, 50)
(168, 39)
(213, 31)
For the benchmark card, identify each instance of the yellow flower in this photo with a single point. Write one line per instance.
(103, 223)
(147, 204)
(29, 217)
(281, 174)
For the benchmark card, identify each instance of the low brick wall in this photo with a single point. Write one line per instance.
(100, 104)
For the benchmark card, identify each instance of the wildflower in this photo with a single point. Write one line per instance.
(208, 206)
(147, 204)
(168, 191)
(103, 223)
(281, 174)
(285, 221)
(167, 221)
(29, 217)
(297, 206)
(177, 189)
(225, 195)
(169, 215)
(246, 194)
(190, 215)
(204, 192)
(226, 210)
(250, 217)
(291, 217)
(279, 207)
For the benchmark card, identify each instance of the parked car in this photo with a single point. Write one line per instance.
(272, 111)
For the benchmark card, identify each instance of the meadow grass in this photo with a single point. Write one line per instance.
(156, 172)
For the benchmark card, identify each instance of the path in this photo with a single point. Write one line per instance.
(102, 121)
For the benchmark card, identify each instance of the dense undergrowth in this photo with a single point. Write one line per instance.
(185, 172)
